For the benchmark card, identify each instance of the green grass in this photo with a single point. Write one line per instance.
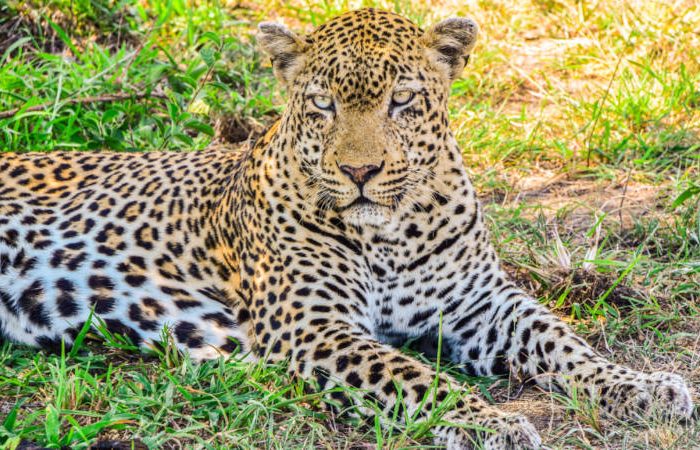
(181, 68)
(580, 125)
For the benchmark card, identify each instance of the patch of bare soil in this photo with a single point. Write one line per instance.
(548, 192)
(234, 129)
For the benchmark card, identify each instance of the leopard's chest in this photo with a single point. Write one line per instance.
(406, 289)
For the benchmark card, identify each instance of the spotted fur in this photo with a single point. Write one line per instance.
(349, 227)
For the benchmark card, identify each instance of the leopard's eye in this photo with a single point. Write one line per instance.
(402, 97)
(322, 101)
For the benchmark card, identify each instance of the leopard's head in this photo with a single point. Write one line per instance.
(367, 117)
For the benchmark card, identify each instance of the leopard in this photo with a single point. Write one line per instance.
(348, 228)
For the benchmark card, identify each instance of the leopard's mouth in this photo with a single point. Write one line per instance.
(363, 200)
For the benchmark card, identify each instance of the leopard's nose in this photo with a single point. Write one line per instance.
(362, 174)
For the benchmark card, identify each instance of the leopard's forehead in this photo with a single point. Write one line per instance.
(367, 30)
(360, 54)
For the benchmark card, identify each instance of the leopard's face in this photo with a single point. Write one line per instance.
(366, 159)
(367, 115)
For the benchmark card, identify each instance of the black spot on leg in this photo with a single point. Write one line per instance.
(9, 303)
(135, 280)
(30, 301)
(187, 333)
(102, 304)
(50, 344)
(420, 391)
(100, 282)
(500, 366)
(322, 353)
(220, 319)
(65, 301)
(136, 315)
(342, 363)
(116, 326)
(354, 380)
(231, 346)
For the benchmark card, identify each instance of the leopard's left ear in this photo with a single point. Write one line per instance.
(449, 43)
(285, 48)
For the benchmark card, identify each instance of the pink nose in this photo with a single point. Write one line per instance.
(361, 175)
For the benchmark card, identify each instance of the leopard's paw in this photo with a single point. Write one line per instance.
(670, 394)
(659, 394)
(500, 432)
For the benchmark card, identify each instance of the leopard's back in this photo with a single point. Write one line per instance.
(121, 236)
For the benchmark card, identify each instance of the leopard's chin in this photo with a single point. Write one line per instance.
(367, 214)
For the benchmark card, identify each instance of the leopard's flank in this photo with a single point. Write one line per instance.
(349, 227)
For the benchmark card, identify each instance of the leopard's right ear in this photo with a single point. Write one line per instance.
(285, 48)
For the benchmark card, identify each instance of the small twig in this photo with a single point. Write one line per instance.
(624, 194)
(107, 98)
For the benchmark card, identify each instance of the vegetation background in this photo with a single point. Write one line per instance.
(580, 124)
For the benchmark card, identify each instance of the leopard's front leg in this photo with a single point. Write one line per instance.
(507, 330)
(336, 351)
